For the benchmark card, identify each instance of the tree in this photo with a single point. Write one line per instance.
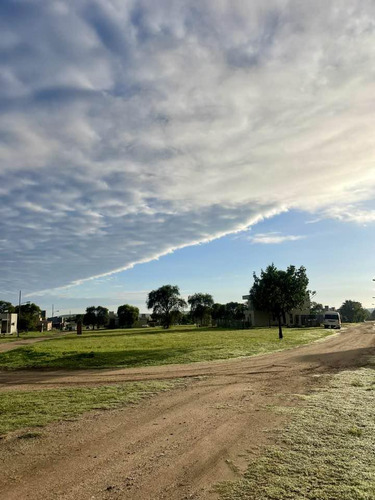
(201, 307)
(186, 318)
(6, 307)
(372, 315)
(89, 319)
(353, 312)
(235, 311)
(316, 308)
(28, 318)
(218, 311)
(96, 316)
(278, 292)
(127, 315)
(229, 314)
(165, 302)
(102, 316)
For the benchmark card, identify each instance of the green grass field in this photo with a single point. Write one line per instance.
(327, 451)
(140, 347)
(23, 409)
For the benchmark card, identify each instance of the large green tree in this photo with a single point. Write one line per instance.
(316, 308)
(166, 303)
(235, 310)
(201, 307)
(218, 311)
(102, 316)
(89, 318)
(6, 307)
(353, 312)
(127, 315)
(228, 314)
(28, 317)
(96, 316)
(278, 292)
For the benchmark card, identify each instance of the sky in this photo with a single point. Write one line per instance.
(192, 143)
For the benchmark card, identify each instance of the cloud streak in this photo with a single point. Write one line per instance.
(129, 129)
(274, 238)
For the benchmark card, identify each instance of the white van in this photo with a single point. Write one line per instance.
(332, 319)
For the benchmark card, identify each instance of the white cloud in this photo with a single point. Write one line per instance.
(273, 238)
(168, 124)
(353, 214)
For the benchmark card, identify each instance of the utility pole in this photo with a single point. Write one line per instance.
(19, 314)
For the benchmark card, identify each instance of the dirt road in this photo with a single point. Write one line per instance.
(178, 444)
(20, 342)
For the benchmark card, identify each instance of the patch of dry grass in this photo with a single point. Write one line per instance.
(326, 453)
(24, 409)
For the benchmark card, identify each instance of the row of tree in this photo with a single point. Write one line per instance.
(168, 306)
(275, 291)
(353, 312)
(168, 309)
(350, 311)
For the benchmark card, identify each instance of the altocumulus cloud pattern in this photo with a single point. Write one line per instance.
(131, 128)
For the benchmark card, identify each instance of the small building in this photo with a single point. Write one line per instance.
(143, 320)
(57, 322)
(44, 325)
(296, 318)
(8, 323)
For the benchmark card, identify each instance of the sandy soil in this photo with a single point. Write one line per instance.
(178, 444)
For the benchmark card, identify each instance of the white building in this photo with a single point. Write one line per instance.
(8, 323)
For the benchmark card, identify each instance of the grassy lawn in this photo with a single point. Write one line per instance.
(137, 347)
(23, 409)
(326, 453)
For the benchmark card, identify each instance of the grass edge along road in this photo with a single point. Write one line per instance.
(6, 338)
(137, 348)
(325, 453)
(25, 409)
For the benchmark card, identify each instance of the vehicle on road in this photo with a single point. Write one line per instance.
(332, 319)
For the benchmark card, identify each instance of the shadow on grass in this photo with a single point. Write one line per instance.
(342, 360)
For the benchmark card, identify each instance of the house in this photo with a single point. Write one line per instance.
(143, 320)
(8, 323)
(297, 317)
(44, 325)
(56, 322)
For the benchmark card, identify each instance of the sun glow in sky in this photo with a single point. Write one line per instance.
(216, 137)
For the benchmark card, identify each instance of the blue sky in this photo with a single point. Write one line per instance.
(144, 143)
(336, 255)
